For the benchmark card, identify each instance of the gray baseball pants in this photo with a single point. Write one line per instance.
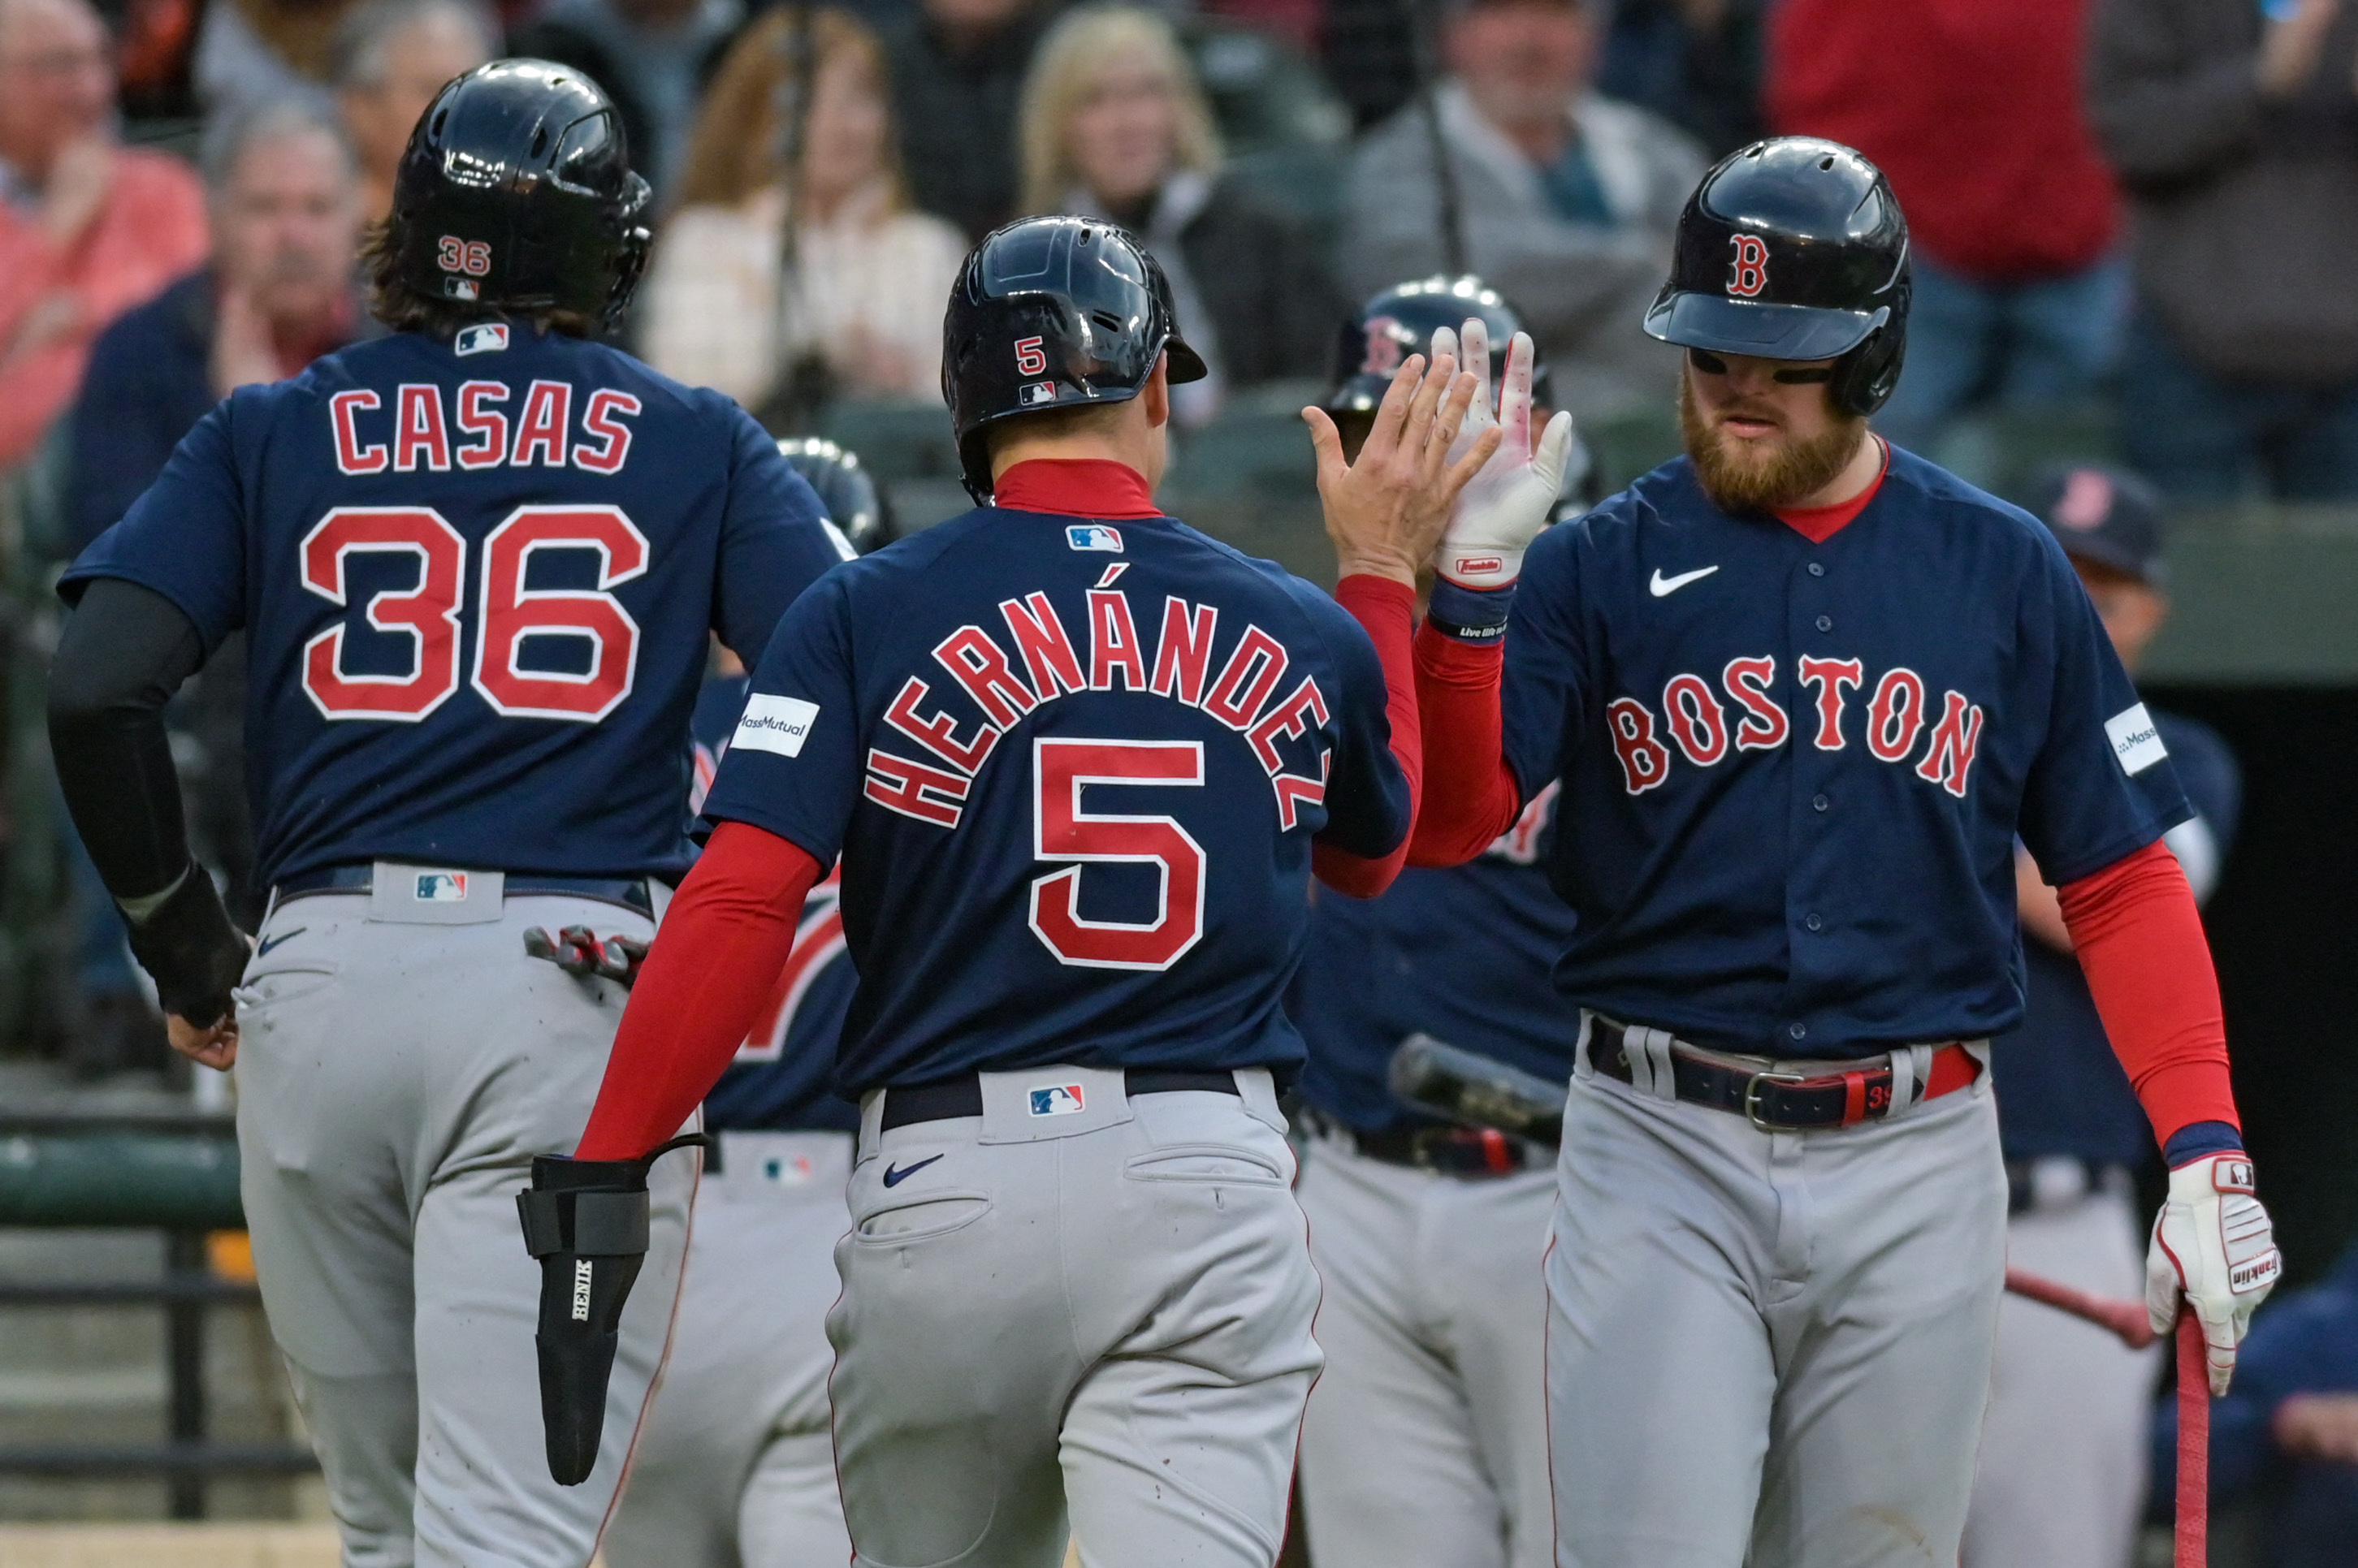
(736, 1469)
(1769, 1349)
(1099, 1313)
(401, 1062)
(2063, 1477)
(1426, 1440)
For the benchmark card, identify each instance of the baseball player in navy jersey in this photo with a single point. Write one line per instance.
(1078, 761)
(1803, 692)
(735, 1468)
(1427, 1437)
(2062, 1471)
(477, 563)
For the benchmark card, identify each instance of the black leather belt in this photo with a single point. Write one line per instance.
(1775, 1098)
(1451, 1150)
(946, 1098)
(361, 877)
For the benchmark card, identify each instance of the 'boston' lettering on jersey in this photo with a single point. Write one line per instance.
(1180, 658)
(1897, 714)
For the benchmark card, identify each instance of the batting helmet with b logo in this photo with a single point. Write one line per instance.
(1793, 249)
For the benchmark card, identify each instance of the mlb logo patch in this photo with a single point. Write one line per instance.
(460, 288)
(1093, 536)
(484, 338)
(441, 887)
(1036, 394)
(1056, 1100)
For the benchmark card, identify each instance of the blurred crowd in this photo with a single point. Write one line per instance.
(2127, 214)
(2129, 221)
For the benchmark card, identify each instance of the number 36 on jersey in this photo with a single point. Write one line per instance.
(539, 652)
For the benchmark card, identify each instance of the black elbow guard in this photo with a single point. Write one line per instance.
(190, 950)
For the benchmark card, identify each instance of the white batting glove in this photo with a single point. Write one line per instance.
(1502, 509)
(2213, 1247)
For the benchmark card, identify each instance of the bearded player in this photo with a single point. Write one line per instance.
(1803, 691)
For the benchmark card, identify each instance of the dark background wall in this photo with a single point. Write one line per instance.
(2283, 927)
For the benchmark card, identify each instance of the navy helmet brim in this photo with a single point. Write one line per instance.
(1762, 330)
(1187, 364)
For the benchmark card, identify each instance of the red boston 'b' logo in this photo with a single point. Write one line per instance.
(1747, 274)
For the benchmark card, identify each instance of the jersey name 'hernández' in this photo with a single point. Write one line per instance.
(1792, 772)
(782, 1078)
(1462, 955)
(1073, 771)
(476, 579)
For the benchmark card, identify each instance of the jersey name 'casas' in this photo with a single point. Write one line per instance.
(1074, 772)
(476, 579)
(1793, 772)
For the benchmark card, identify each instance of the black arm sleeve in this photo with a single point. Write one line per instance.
(124, 652)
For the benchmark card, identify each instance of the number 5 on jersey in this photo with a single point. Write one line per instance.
(1061, 830)
(508, 613)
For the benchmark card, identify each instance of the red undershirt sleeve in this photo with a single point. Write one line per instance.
(2140, 942)
(1387, 610)
(1471, 796)
(722, 943)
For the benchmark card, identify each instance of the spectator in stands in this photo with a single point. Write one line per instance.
(1115, 125)
(860, 315)
(653, 58)
(392, 58)
(957, 73)
(2290, 1424)
(1694, 62)
(2012, 216)
(2061, 1480)
(1515, 168)
(280, 291)
(2236, 133)
(88, 229)
(254, 52)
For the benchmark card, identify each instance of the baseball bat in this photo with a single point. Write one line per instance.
(2193, 1444)
(1474, 1090)
(2127, 1319)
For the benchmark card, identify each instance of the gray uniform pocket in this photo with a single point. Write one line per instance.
(1224, 1162)
(921, 1218)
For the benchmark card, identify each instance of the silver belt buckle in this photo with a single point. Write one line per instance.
(1752, 1099)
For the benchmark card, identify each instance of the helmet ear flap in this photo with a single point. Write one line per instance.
(1866, 377)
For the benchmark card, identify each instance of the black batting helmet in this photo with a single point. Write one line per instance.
(1400, 321)
(853, 503)
(515, 192)
(1793, 249)
(1052, 313)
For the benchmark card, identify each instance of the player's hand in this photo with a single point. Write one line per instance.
(1385, 511)
(1502, 509)
(213, 1046)
(2290, 44)
(2214, 1248)
(2318, 1426)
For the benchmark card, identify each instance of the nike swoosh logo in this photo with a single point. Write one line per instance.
(262, 951)
(894, 1177)
(1663, 586)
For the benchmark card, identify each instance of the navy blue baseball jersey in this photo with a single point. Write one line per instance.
(779, 1082)
(1073, 770)
(1796, 770)
(2061, 1090)
(476, 579)
(1461, 954)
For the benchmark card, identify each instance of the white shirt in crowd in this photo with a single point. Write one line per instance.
(866, 296)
